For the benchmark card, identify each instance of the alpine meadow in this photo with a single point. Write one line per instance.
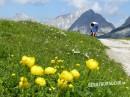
(37, 60)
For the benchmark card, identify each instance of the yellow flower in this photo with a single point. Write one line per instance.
(50, 70)
(53, 61)
(23, 82)
(37, 70)
(24, 60)
(71, 86)
(66, 76)
(40, 81)
(23, 79)
(92, 64)
(78, 65)
(29, 61)
(75, 73)
(62, 83)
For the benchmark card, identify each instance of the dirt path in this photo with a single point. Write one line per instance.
(119, 51)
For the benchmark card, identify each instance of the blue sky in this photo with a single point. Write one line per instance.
(115, 11)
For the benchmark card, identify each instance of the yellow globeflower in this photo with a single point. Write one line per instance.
(23, 82)
(29, 61)
(23, 79)
(62, 83)
(75, 73)
(66, 76)
(50, 70)
(92, 64)
(40, 81)
(24, 60)
(37, 70)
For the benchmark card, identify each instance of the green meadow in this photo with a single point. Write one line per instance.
(45, 43)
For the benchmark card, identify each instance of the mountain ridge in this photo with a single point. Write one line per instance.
(82, 24)
(68, 21)
(120, 32)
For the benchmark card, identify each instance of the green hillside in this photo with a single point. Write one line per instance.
(32, 39)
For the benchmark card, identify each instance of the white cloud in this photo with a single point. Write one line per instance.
(112, 7)
(84, 4)
(96, 7)
(31, 1)
(77, 3)
(109, 7)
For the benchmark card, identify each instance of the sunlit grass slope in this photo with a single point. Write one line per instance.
(45, 43)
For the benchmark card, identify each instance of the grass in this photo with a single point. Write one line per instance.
(45, 43)
(127, 38)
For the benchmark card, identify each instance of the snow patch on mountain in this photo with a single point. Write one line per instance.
(65, 21)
